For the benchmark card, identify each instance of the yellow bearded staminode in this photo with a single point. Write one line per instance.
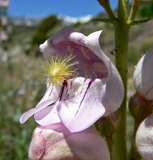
(60, 68)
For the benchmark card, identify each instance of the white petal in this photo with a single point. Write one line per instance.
(144, 138)
(143, 75)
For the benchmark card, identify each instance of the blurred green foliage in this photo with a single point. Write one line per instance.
(147, 11)
(41, 33)
(19, 91)
(45, 26)
(145, 45)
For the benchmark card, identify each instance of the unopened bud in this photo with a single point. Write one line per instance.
(139, 107)
(108, 125)
(144, 138)
(143, 75)
(56, 142)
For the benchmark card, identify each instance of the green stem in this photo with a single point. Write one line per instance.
(134, 8)
(136, 22)
(106, 5)
(121, 48)
(122, 10)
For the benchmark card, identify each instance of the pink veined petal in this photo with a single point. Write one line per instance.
(85, 108)
(90, 64)
(50, 97)
(52, 92)
(92, 42)
(99, 63)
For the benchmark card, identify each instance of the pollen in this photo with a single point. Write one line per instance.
(60, 68)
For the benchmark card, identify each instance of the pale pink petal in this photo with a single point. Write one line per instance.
(114, 91)
(32, 111)
(114, 86)
(49, 97)
(47, 116)
(81, 111)
(47, 48)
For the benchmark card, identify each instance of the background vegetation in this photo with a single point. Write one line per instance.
(20, 80)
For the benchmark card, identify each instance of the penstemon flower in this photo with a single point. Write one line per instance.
(82, 83)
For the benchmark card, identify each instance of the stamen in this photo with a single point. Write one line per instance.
(60, 68)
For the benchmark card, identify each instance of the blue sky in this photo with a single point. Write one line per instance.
(73, 8)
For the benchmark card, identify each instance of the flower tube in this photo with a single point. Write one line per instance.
(81, 88)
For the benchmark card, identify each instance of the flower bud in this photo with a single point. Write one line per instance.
(139, 107)
(144, 138)
(108, 125)
(143, 75)
(56, 142)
